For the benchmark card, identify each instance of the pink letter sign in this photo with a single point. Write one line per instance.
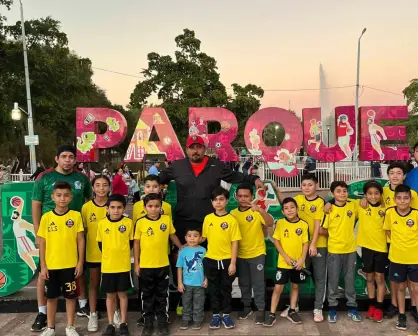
(89, 141)
(221, 141)
(282, 159)
(345, 132)
(140, 144)
(372, 133)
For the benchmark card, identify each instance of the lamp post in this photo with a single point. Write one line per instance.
(328, 128)
(357, 89)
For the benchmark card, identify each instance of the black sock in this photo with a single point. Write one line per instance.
(291, 310)
(402, 315)
(273, 314)
(378, 305)
(414, 309)
(372, 302)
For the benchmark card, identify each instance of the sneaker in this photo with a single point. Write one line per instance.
(370, 312)
(93, 324)
(83, 312)
(317, 315)
(196, 325)
(401, 324)
(270, 321)
(117, 319)
(40, 323)
(227, 321)
(332, 316)
(140, 322)
(245, 313)
(378, 315)
(148, 329)
(414, 313)
(70, 331)
(184, 325)
(163, 329)
(391, 312)
(294, 317)
(123, 329)
(355, 316)
(215, 323)
(48, 332)
(286, 311)
(260, 316)
(109, 331)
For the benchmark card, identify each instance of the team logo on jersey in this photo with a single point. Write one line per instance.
(286, 233)
(224, 225)
(122, 228)
(278, 275)
(163, 227)
(302, 208)
(69, 223)
(338, 216)
(313, 208)
(107, 231)
(52, 227)
(92, 217)
(410, 223)
(387, 200)
(395, 222)
(150, 232)
(77, 185)
(210, 224)
(381, 213)
(349, 213)
(249, 218)
(299, 231)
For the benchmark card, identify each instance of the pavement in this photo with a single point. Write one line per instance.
(19, 324)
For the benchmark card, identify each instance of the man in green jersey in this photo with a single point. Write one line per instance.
(42, 202)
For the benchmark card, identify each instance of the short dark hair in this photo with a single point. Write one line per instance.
(66, 148)
(336, 184)
(245, 186)
(309, 176)
(152, 197)
(399, 165)
(415, 147)
(289, 200)
(117, 198)
(152, 178)
(193, 229)
(219, 191)
(372, 184)
(62, 185)
(402, 188)
(98, 177)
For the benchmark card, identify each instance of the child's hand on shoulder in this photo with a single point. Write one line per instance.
(363, 203)
(205, 283)
(180, 287)
(327, 208)
(232, 269)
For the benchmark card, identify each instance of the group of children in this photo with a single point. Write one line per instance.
(310, 238)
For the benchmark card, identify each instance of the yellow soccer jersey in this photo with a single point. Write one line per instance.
(292, 236)
(309, 211)
(250, 225)
(60, 233)
(139, 210)
(115, 237)
(370, 232)
(340, 223)
(92, 214)
(220, 232)
(389, 197)
(153, 235)
(404, 236)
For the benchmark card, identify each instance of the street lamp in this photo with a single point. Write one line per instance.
(328, 128)
(357, 89)
(32, 153)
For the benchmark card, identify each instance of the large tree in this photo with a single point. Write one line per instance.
(191, 79)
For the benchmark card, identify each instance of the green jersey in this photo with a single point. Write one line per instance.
(44, 187)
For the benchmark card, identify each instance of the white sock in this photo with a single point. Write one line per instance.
(82, 303)
(42, 309)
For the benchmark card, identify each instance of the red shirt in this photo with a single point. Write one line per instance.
(119, 186)
(341, 130)
(198, 167)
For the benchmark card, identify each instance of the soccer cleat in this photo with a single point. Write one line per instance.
(391, 312)
(260, 316)
(123, 329)
(332, 316)
(215, 323)
(227, 321)
(414, 313)
(317, 315)
(245, 313)
(294, 317)
(270, 321)
(378, 315)
(93, 324)
(117, 319)
(70, 331)
(48, 332)
(148, 329)
(401, 324)
(83, 312)
(370, 312)
(354, 315)
(109, 331)
(40, 323)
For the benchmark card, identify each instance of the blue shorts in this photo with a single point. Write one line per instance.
(401, 273)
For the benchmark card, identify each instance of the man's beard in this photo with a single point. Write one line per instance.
(196, 159)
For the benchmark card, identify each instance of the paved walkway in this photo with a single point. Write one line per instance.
(19, 324)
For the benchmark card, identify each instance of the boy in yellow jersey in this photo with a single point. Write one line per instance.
(115, 240)
(291, 237)
(92, 212)
(338, 225)
(221, 229)
(251, 251)
(371, 237)
(401, 223)
(152, 233)
(61, 230)
(311, 210)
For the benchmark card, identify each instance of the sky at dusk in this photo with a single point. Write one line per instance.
(274, 44)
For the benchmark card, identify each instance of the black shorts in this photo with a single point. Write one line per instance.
(374, 261)
(61, 282)
(283, 275)
(116, 282)
(92, 264)
(401, 272)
